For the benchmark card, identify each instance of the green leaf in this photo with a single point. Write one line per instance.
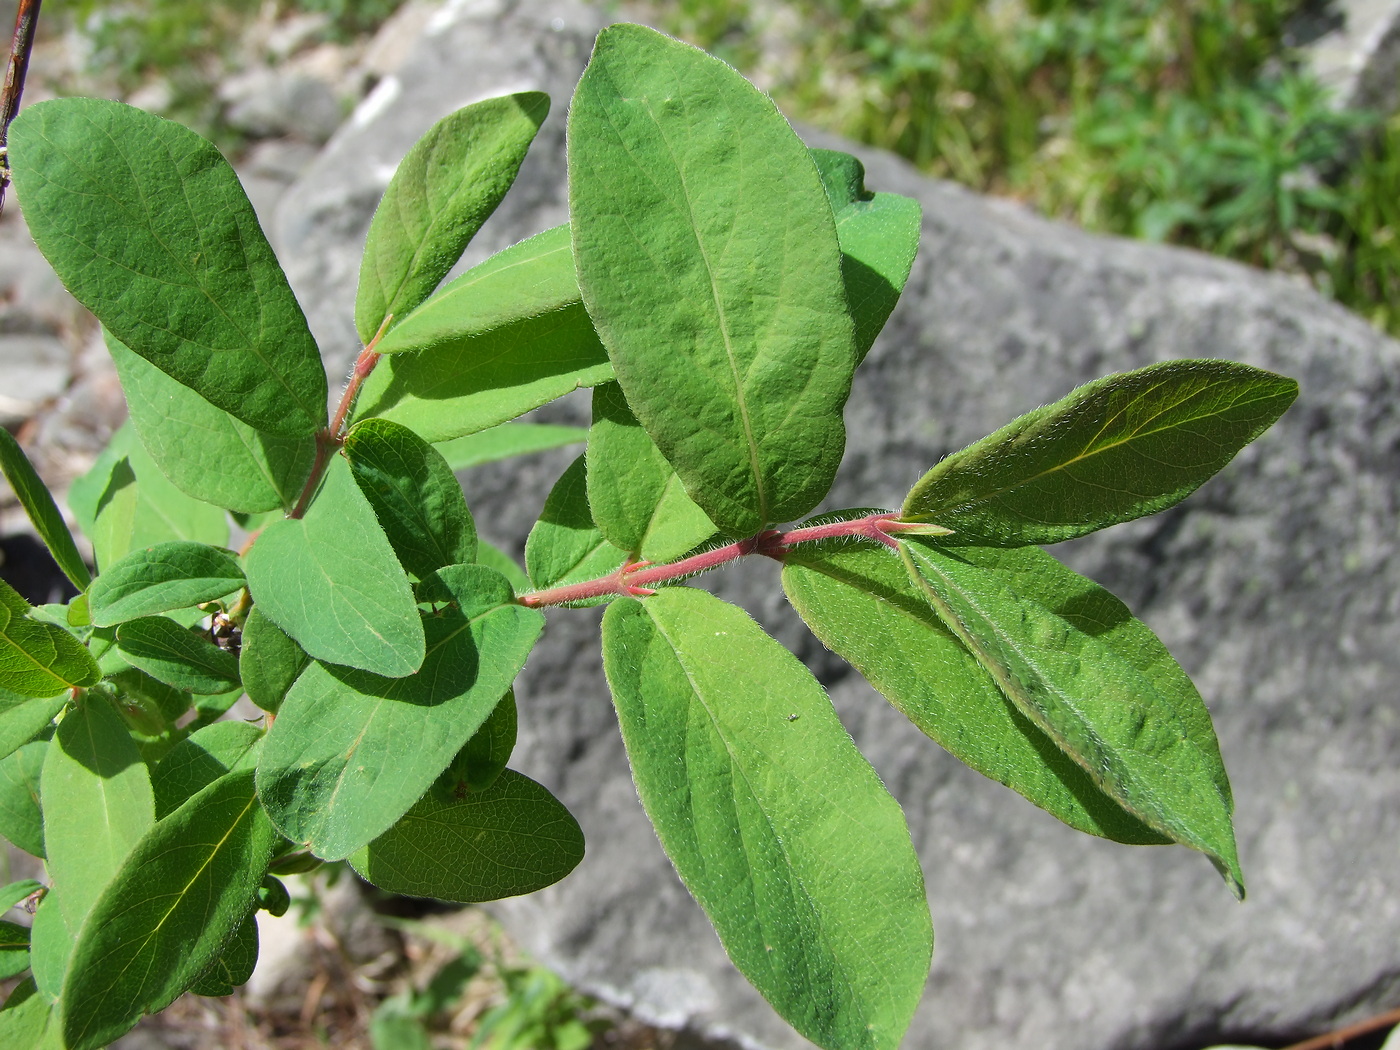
(774, 821)
(200, 759)
(124, 503)
(97, 804)
(161, 705)
(171, 911)
(495, 558)
(50, 946)
(707, 257)
(534, 278)
(331, 581)
(1098, 683)
(415, 495)
(269, 661)
(1115, 449)
(350, 752)
(444, 189)
(506, 440)
(861, 603)
(22, 719)
(15, 892)
(162, 578)
(14, 949)
(879, 236)
(205, 452)
(482, 758)
(21, 819)
(177, 656)
(636, 499)
(235, 964)
(511, 838)
(477, 381)
(148, 227)
(34, 496)
(39, 659)
(565, 546)
(24, 1019)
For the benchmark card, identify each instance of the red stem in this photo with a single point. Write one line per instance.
(26, 21)
(633, 579)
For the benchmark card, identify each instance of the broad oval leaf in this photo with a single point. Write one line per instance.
(39, 659)
(235, 964)
(879, 236)
(1096, 682)
(97, 803)
(351, 752)
(169, 913)
(331, 581)
(200, 759)
(24, 718)
(635, 497)
(177, 656)
(511, 838)
(162, 578)
(34, 496)
(707, 257)
(415, 495)
(1115, 449)
(859, 600)
(565, 546)
(148, 227)
(772, 818)
(25, 1018)
(205, 452)
(269, 661)
(444, 189)
(484, 756)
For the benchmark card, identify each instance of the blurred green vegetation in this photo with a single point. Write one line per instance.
(1186, 121)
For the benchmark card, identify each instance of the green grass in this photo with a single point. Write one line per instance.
(1184, 121)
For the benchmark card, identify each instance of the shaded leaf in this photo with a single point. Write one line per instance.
(14, 949)
(815, 892)
(21, 819)
(636, 499)
(50, 945)
(444, 189)
(511, 838)
(124, 503)
(37, 502)
(482, 758)
(495, 558)
(879, 236)
(22, 719)
(1112, 450)
(565, 546)
(97, 804)
(200, 759)
(350, 751)
(1115, 703)
(707, 257)
(15, 892)
(415, 495)
(170, 912)
(162, 578)
(269, 661)
(235, 964)
(506, 440)
(861, 603)
(177, 656)
(205, 452)
(331, 581)
(39, 659)
(149, 228)
(24, 1019)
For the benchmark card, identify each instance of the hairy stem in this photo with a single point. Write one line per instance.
(332, 437)
(635, 578)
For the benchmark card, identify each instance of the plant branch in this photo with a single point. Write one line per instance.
(26, 21)
(1335, 1039)
(634, 579)
(332, 437)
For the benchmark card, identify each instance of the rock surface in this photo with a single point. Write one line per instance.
(1356, 51)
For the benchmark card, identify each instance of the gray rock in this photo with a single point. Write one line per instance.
(1354, 48)
(1276, 587)
(268, 102)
